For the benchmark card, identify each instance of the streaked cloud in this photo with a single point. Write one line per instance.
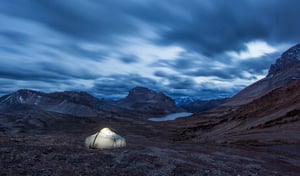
(254, 49)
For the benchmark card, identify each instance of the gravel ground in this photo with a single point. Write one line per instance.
(64, 154)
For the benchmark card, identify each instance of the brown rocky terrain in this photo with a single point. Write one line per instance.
(39, 142)
(153, 148)
(272, 119)
(203, 105)
(150, 150)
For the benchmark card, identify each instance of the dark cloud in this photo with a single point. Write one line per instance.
(223, 67)
(179, 86)
(117, 86)
(213, 27)
(45, 71)
(70, 70)
(27, 75)
(15, 37)
(50, 85)
(161, 74)
(182, 83)
(208, 27)
(258, 65)
(129, 59)
(176, 81)
(81, 19)
(76, 51)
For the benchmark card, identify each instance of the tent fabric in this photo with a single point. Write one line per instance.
(105, 139)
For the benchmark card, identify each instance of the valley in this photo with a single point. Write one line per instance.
(257, 132)
(151, 150)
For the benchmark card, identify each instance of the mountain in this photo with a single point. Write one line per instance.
(69, 102)
(266, 112)
(273, 118)
(142, 99)
(38, 112)
(284, 71)
(203, 105)
(183, 101)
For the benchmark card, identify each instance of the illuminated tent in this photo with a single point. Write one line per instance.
(105, 139)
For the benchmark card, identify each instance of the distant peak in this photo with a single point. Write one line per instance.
(26, 92)
(292, 54)
(287, 60)
(76, 93)
(143, 93)
(139, 89)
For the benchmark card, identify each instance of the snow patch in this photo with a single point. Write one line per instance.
(38, 100)
(6, 99)
(21, 100)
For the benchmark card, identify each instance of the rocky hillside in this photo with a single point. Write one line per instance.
(203, 105)
(71, 103)
(268, 111)
(271, 119)
(288, 59)
(284, 71)
(148, 101)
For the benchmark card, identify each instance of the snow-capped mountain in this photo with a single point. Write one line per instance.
(184, 100)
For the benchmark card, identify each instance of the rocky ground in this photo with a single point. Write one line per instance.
(150, 151)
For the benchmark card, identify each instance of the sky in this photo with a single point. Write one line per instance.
(202, 49)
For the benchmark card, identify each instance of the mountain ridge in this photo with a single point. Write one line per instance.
(284, 71)
(264, 113)
(204, 105)
(68, 102)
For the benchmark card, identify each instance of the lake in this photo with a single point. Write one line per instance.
(171, 116)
